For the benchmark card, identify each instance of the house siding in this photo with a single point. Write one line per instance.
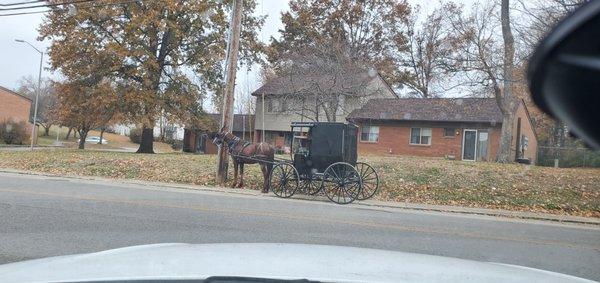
(280, 121)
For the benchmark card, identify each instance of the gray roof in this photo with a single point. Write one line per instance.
(433, 109)
(238, 121)
(352, 83)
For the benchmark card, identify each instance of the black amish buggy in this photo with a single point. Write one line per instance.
(324, 159)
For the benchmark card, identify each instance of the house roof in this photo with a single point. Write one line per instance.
(350, 83)
(15, 93)
(238, 121)
(433, 109)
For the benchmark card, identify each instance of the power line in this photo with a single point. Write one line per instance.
(47, 5)
(79, 7)
(23, 13)
(21, 3)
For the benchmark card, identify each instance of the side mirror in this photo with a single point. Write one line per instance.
(564, 73)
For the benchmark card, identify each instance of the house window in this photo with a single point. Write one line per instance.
(270, 106)
(449, 132)
(369, 133)
(420, 136)
(283, 105)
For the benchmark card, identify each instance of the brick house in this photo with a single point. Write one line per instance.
(459, 128)
(15, 107)
(292, 98)
(195, 142)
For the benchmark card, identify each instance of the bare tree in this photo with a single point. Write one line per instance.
(46, 104)
(506, 101)
(320, 83)
(538, 17)
(488, 60)
(430, 57)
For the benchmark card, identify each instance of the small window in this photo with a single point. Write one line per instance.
(283, 105)
(369, 134)
(270, 106)
(449, 132)
(420, 136)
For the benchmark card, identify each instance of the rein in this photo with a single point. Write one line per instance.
(233, 143)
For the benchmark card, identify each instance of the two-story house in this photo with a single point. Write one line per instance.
(316, 97)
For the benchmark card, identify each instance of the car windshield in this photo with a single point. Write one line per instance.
(405, 126)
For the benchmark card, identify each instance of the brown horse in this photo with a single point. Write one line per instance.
(243, 152)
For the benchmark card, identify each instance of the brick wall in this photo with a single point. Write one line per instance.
(394, 138)
(14, 107)
(526, 130)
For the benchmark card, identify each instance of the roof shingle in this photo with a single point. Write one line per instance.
(433, 109)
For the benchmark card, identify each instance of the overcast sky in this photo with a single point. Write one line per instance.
(20, 60)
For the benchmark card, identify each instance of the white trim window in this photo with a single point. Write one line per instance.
(420, 136)
(369, 133)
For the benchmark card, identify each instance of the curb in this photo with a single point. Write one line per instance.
(491, 212)
(368, 203)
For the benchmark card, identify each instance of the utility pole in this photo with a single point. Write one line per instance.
(230, 72)
(37, 93)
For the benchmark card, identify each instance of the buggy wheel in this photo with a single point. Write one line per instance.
(283, 180)
(369, 180)
(341, 183)
(311, 186)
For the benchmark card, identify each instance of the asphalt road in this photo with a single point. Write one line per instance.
(46, 216)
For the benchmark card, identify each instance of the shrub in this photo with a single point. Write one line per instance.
(135, 135)
(14, 132)
(175, 144)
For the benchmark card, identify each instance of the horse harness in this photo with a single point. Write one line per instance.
(234, 142)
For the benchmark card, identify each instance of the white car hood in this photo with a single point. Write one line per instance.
(276, 261)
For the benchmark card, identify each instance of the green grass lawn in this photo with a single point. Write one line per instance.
(574, 191)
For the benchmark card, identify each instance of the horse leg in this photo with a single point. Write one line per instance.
(241, 181)
(268, 169)
(263, 168)
(235, 173)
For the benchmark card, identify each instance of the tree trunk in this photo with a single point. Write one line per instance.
(147, 140)
(46, 130)
(82, 137)
(506, 138)
(101, 135)
(508, 105)
(68, 133)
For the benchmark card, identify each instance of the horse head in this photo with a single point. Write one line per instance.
(220, 137)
